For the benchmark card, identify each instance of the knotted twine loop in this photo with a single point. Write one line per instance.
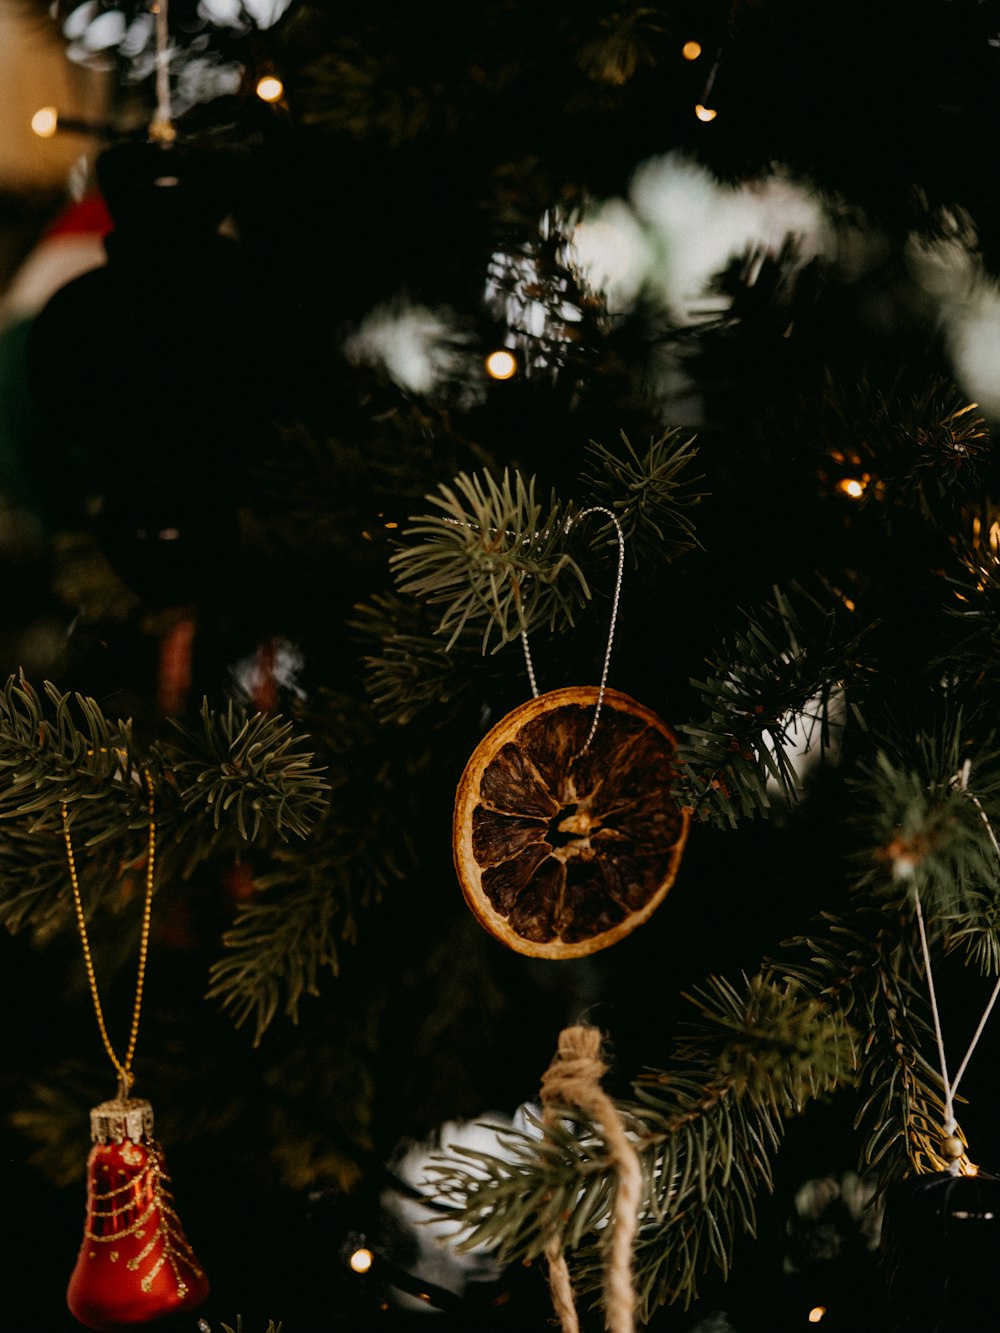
(574, 1079)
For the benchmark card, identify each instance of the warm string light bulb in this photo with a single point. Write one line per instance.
(501, 365)
(850, 486)
(816, 1314)
(361, 1260)
(705, 112)
(45, 122)
(269, 88)
(983, 535)
(691, 50)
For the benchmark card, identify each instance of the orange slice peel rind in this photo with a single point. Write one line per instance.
(561, 850)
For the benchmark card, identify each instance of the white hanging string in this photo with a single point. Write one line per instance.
(950, 1124)
(529, 664)
(532, 681)
(616, 598)
(961, 781)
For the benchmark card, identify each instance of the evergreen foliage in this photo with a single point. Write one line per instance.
(495, 556)
(706, 1132)
(811, 599)
(215, 785)
(774, 677)
(649, 493)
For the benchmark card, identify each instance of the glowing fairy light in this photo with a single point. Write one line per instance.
(45, 122)
(705, 112)
(983, 535)
(816, 1313)
(361, 1260)
(852, 487)
(691, 50)
(269, 88)
(501, 365)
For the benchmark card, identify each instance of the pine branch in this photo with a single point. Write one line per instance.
(276, 951)
(494, 556)
(705, 1133)
(903, 1111)
(250, 777)
(650, 493)
(60, 748)
(772, 1041)
(756, 1057)
(785, 670)
(917, 451)
(920, 829)
(866, 966)
(976, 604)
(499, 562)
(411, 670)
(252, 770)
(719, 1158)
(291, 931)
(546, 1185)
(306, 903)
(840, 956)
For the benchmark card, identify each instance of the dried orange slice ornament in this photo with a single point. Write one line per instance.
(561, 847)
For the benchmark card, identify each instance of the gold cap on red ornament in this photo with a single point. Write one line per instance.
(135, 1265)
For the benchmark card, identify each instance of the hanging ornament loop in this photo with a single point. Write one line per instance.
(161, 127)
(574, 1079)
(123, 1066)
(952, 1145)
(135, 1265)
(566, 833)
(616, 598)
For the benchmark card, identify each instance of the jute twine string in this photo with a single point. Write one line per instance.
(574, 1079)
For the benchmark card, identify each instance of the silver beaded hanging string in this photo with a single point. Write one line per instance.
(532, 680)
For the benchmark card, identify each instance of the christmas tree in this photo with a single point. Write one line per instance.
(499, 535)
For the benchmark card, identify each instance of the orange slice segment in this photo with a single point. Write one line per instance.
(560, 851)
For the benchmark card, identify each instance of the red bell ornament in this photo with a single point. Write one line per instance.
(135, 1265)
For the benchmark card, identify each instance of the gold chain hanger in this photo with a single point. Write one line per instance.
(123, 1067)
